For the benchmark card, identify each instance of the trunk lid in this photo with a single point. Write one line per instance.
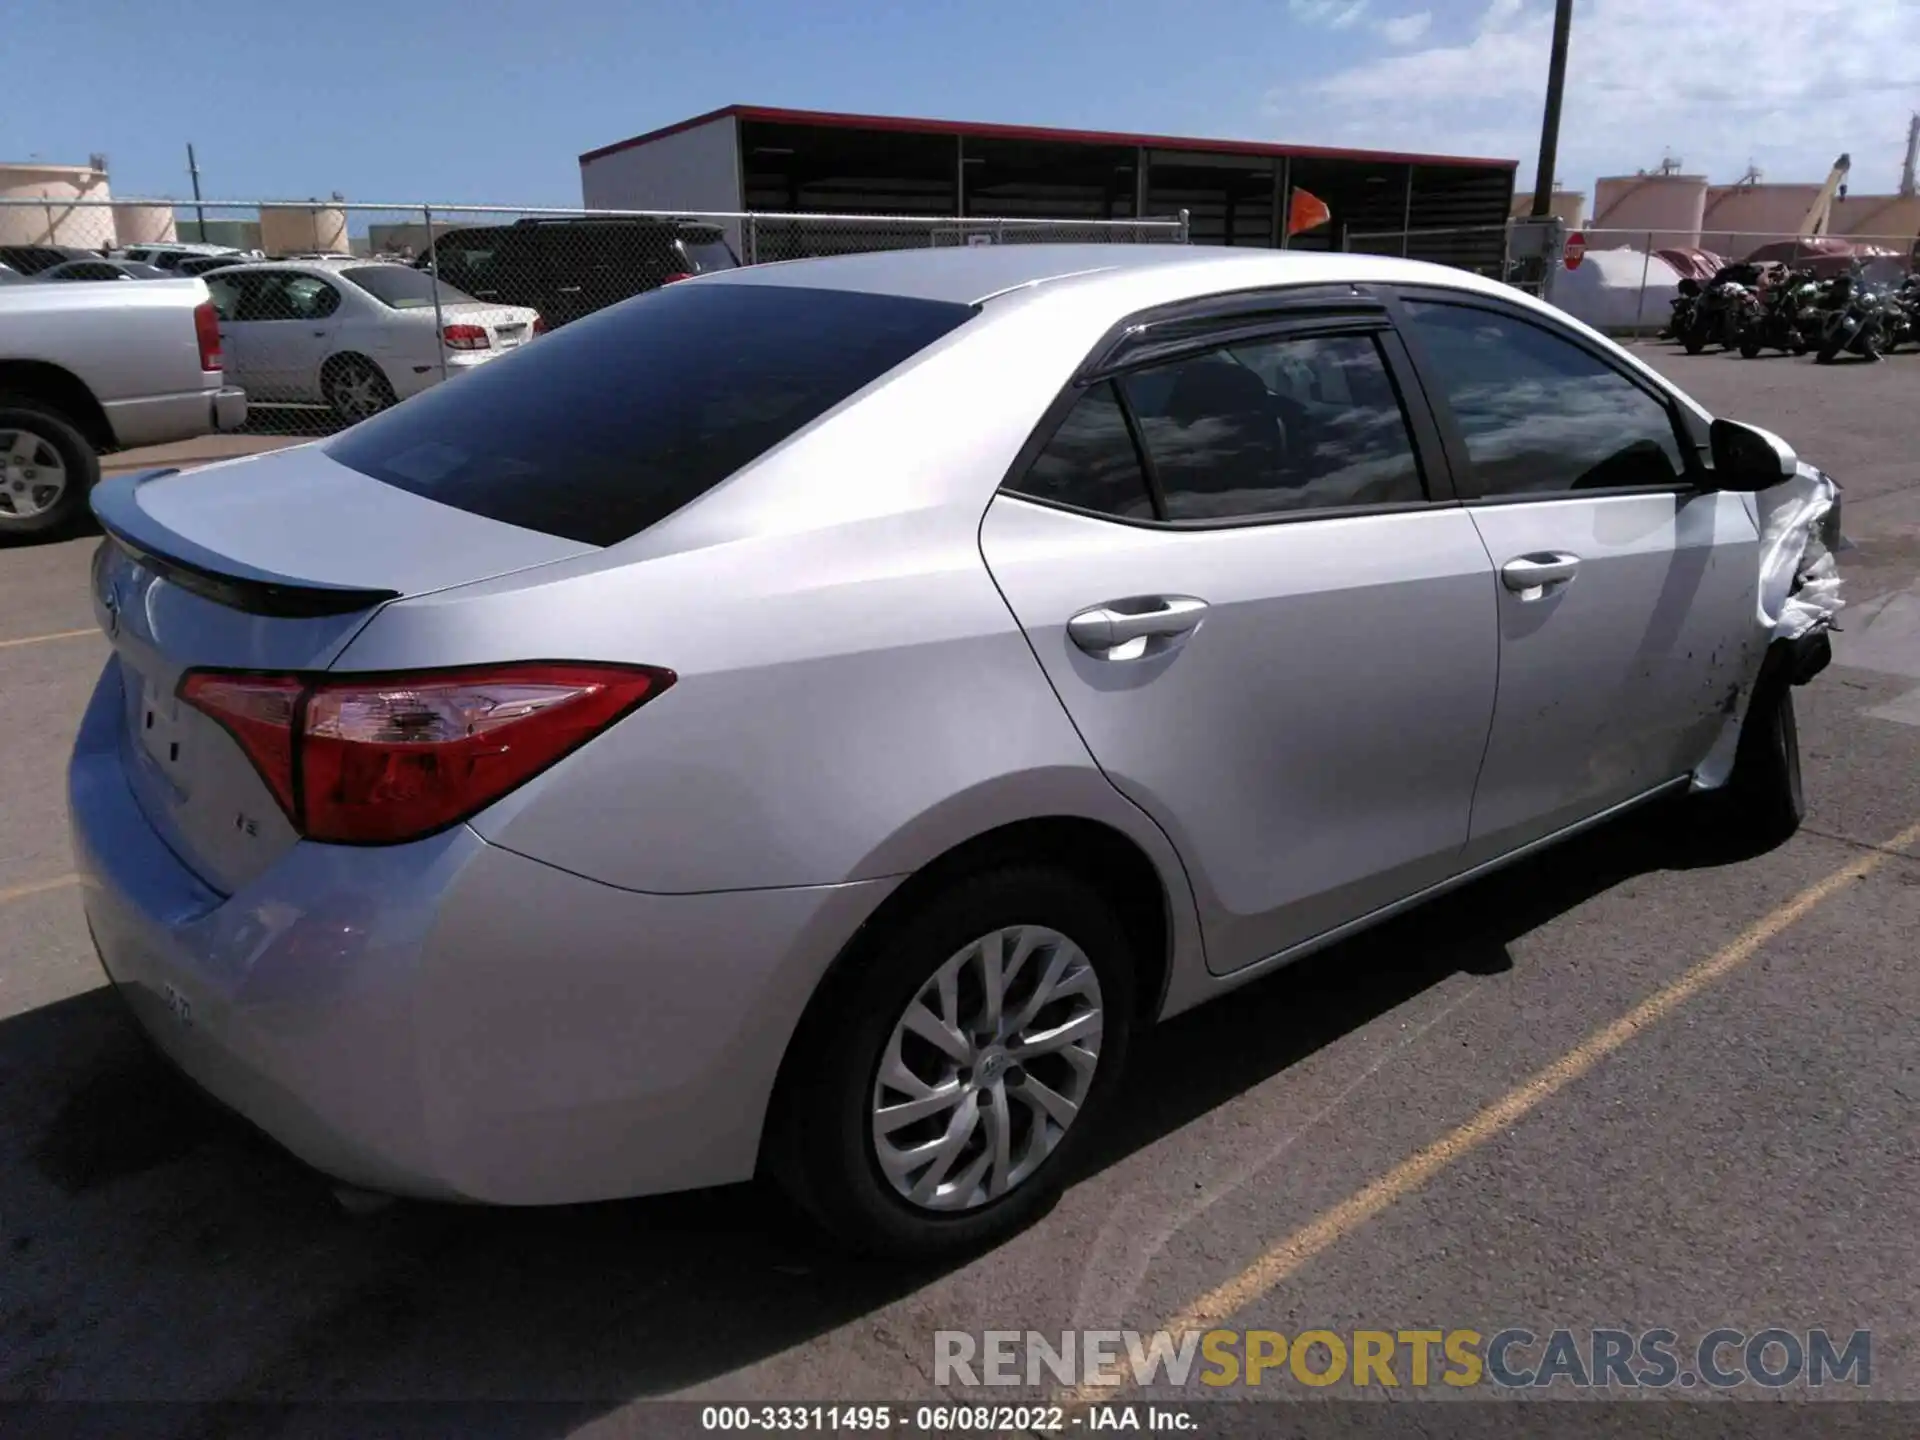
(270, 563)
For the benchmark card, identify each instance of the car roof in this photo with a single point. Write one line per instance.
(970, 275)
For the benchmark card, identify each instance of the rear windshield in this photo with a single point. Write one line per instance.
(709, 255)
(401, 287)
(610, 424)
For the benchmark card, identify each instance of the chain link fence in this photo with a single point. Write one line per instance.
(1481, 249)
(1625, 281)
(332, 311)
(794, 237)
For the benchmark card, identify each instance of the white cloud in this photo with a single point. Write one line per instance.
(1499, 13)
(1788, 94)
(1405, 29)
(1333, 14)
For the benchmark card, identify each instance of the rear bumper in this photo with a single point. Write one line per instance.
(229, 408)
(162, 419)
(409, 376)
(448, 1019)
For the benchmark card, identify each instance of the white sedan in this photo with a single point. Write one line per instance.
(354, 335)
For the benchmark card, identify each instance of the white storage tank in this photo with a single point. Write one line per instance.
(50, 216)
(298, 229)
(1667, 207)
(139, 222)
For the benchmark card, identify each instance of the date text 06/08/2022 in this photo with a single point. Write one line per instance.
(944, 1419)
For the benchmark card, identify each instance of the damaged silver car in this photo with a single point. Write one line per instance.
(805, 720)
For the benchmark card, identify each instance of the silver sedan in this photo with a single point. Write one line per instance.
(806, 720)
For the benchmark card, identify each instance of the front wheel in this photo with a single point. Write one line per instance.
(1749, 347)
(47, 469)
(936, 1101)
(1763, 801)
(1695, 339)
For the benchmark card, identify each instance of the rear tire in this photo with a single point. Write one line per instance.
(47, 469)
(828, 1147)
(356, 389)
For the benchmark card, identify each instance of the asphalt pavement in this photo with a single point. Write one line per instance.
(1624, 1086)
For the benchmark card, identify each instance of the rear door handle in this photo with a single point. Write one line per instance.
(1533, 576)
(1132, 629)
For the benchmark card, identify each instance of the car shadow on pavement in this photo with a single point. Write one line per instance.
(1205, 1057)
(158, 1247)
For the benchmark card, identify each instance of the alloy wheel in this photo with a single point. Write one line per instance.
(33, 477)
(987, 1069)
(356, 394)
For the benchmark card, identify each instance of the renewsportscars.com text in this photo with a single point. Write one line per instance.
(1511, 1358)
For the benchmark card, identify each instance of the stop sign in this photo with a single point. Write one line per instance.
(1576, 250)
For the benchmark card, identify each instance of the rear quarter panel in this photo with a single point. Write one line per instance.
(854, 696)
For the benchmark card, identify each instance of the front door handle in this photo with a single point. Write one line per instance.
(1533, 576)
(1131, 629)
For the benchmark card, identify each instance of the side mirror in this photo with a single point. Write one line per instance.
(1746, 458)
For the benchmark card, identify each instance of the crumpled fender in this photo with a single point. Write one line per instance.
(1799, 590)
(1799, 577)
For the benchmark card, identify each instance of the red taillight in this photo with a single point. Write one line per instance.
(677, 275)
(206, 329)
(539, 325)
(374, 760)
(259, 711)
(467, 337)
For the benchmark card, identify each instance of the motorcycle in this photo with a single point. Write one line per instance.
(1855, 319)
(1777, 320)
(1716, 315)
(1903, 315)
(1681, 314)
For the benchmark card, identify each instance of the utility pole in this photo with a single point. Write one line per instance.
(199, 214)
(1550, 121)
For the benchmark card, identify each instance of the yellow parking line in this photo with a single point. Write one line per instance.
(1283, 1260)
(43, 639)
(37, 887)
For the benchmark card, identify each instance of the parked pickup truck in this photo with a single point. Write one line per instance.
(91, 368)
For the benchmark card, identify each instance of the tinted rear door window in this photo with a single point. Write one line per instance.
(616, 421)
(1276, 426)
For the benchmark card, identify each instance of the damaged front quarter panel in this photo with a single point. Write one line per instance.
(1798, 593)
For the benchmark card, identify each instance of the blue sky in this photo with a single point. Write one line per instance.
(491, 102)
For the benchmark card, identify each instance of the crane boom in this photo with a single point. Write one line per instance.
(1820, 213)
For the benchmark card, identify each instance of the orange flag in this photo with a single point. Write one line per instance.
(1306, 212)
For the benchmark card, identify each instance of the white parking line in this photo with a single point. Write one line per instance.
(44, 639)
(37, 887)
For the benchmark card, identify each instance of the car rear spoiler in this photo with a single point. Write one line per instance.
(206, 573)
